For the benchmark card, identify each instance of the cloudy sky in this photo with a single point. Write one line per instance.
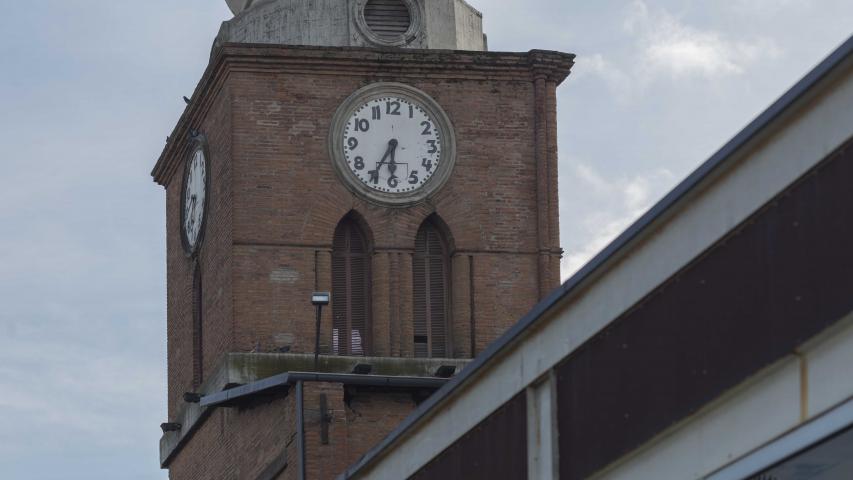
(89, 89)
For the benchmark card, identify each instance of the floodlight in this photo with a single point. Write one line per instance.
(320, 298)
(192, 397)
(170, 427)
(362, 369)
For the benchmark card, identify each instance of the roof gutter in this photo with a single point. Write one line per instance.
(300, 427)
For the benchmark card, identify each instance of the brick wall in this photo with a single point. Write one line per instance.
(243, 443)
(238, 444)
(214, 258)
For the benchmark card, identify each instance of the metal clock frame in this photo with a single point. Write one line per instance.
(198, 142)
(386, 89)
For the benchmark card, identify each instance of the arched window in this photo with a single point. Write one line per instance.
(198, 344)
(350, 289)
(431, 289)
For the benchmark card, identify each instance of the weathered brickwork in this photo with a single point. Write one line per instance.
(355, 426)
(258, 441)
(214, 259)
(276, 201)
(238, 443)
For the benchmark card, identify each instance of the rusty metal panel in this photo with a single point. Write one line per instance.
(783, 276)
(495, 449)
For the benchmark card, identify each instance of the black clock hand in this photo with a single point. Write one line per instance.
(192, 211)
(392, 146)
(392, 167)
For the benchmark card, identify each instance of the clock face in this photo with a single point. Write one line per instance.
(393, 143)
(194, 199)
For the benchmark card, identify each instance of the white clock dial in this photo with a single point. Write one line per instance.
(195, 192)
(392, 144)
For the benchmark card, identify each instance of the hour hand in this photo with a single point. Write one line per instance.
(392, 149)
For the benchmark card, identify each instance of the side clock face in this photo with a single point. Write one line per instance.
(392, 143)
(194, 200)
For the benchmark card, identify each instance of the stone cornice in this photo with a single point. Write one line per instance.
(397, 63)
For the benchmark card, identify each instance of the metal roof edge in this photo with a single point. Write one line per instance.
(290, 378)
(714, 163)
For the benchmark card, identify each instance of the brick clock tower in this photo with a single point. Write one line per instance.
(373, 149)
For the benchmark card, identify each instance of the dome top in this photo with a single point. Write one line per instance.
(423, 24)
(238, 6)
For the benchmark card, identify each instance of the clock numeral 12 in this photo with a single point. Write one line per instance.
(392, 108)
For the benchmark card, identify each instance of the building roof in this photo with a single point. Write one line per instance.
(716, 166)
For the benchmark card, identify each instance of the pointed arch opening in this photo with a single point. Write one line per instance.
(351, 258)
(198, 328)
(431, 290)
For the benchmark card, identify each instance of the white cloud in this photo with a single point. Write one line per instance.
(618, 80)
(664, 47)
(612, 205)
(669, 46)
(764, 7)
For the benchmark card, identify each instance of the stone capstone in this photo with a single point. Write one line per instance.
(420, 24)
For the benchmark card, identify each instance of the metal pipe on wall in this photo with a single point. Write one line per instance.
(300, 427)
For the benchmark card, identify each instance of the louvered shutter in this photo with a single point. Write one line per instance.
(389, 19)
(419, 290)
(340, 297)
(430, 291)
(350, 290)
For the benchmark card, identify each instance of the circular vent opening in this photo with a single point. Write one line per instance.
(388, 19)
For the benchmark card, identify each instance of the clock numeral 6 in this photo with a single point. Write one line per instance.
(362, 125)
(352, 143)
(427, 163)
(393, 182)
(358, 163)
(413, 178)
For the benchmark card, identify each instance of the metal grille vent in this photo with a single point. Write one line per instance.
(388, 19)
